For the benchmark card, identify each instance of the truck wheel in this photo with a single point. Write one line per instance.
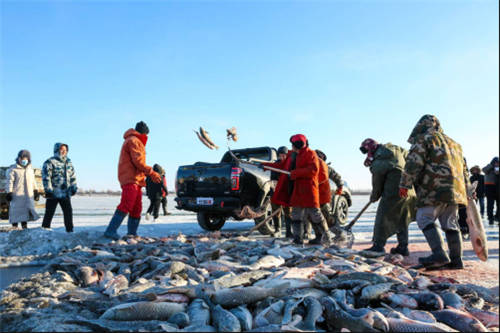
(268, 227)
(210, 222)
(341, 212)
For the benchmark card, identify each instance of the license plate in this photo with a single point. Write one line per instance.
(205, 201)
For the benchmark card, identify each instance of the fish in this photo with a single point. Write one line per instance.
(204, 135)
(181, 319)
(88, 276)
(290, 305)
(452, 299)
(368, 276)
(484, 293)
(143, 311)
(232, 134)
(427, 300)
(476, 229)
(314, 311)
(487, 318)
(475, 302)
(244, 316)
(459, 320)
(204, 141)
(400, 300)
(377, 319)
(268, 261)
(270, 315)
(243, 279)
(225, 321)
(373, 292)
(199, 313)
(410, 325)
(115, 285)
(199, 328)
(336, 318)
(421, 282)
(419, 315)
(232, 297)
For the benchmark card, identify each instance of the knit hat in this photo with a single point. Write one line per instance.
(282, 150)
(142, 128)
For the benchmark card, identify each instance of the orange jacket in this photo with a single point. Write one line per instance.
(325, 194)
(132, 168)
(305, 176)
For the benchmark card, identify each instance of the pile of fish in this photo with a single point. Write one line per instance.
(228, 282)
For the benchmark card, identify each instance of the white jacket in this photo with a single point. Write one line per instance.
(21, 183)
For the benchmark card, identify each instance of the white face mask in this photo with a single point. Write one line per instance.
(496, 169)
(24, 162)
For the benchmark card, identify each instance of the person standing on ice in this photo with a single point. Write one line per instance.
(132, 171)
(436, 167)
(21, 190)
(491, 189)
(59, 182)
(394, 214)
(304, 199)
(154, 193)
(281, 197)
(164, 192)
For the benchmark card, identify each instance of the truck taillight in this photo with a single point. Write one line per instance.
(235, 179)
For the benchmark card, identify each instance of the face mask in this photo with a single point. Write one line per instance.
(363, 150)
(24, 162)
(496, 169)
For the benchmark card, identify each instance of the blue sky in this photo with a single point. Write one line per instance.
(337, 71)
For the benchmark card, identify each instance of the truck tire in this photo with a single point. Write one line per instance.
(341, 211)
(268, 227)
(209, 222)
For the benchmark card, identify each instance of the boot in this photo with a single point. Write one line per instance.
(24, 225)
(318, 233)
(298, 232)
(132, 225)
(454, 240)
(438, 257)
(114, 224)
(288, 226)
(376, 247)
(307, 230)
(277, 226)
(402, 247)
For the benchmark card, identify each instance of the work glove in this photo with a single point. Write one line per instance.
(49, 195)
(339, 190)
(155, 177)
(9, 196)
(72, 190)
(36, 195)
(403, 192)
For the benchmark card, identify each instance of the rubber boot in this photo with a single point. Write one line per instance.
(298, 232)
(24, 225)
(402, 247)
(318, 233)
(277, 226)
(454, 240)
(132, 225)
(307, 230)
(114, 224)
(438, 258)
(288, 226)
(376, 247)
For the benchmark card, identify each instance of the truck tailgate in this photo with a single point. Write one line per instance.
(204, 180)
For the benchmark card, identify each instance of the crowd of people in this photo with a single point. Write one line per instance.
(427, 183)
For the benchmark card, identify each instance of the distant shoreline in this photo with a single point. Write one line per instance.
(118, 193)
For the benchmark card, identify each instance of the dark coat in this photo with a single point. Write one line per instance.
(305, 176)
(393, 213)
(480, 184)
(154, 190)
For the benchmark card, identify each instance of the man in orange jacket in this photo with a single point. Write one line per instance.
(132, 172)
(304, 199)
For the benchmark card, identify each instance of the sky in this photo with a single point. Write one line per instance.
(83, 72)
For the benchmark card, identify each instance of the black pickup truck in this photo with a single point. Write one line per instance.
(216, 190)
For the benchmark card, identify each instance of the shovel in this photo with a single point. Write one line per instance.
(347, 233)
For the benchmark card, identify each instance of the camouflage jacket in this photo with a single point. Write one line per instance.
(59, 175)
(335, 177)
(435, 166)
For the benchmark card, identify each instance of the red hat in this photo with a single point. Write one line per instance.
(299, 141)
